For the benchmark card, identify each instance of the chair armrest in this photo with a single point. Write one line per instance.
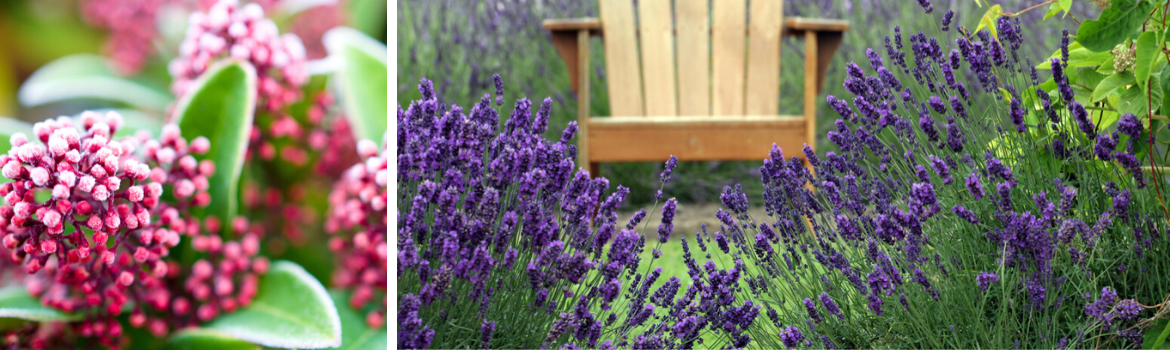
(565, 37)
(799, 25)
(591, 24)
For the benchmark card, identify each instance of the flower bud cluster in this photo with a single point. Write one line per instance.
(242, 33)
(84, 217)
(358, 205)
(132, 29)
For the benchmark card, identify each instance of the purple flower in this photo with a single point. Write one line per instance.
(811, 307)
(667, 225)
(1104, 147)
(875, 304)
(499, 89)
(831, 306)
(791, 337)
(965, 214)
(486, 331)
(947, 20)
(1127, 309)
(670, 165)
(985, 279)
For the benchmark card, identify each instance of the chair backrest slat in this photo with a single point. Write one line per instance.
(654, 19)
(623, 73)
(728, 27)
(694, 57)
(763, 63)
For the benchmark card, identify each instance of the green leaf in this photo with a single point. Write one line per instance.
(1088, 78)
(1066, 5)
(220, 107)
(200, 338)
(1110, 85)
(88, 76)
(16, 303)
(988, 20)
(1147, 47)
(1079, 57)
(1052, 11)
(1107, 67)
(1134, 100)
(291, 310)
(362, 82)
(355, 334)
(1116, 24)
(7, 128)
(1156, 336)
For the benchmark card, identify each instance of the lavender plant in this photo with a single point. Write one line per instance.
(503, 243)
(939, 223)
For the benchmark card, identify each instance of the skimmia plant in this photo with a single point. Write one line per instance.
(116, 238)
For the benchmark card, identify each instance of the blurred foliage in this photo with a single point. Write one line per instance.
(460, 46)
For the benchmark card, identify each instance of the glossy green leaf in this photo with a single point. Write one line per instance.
(16, 303)
(201, 338)
(1147, 47)
(7, 128)
(1053, 10)
(1116, 24)
(368, 16)
(291, 310)
(355, 335)
(362, 81)
(88, 76)
(220, 107)
(1110, 85)
(1107, 67)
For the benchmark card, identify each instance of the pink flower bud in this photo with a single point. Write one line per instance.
(260, 265)
(114, 120)
(10, 241)
(108, 257)
(39, 176)
(375, 320)
(201, 270)
(137, 319)
(367, 148)
(113, 221)
(100, 193)
(22, 210)
(49, 246)
(51, 218)
(206, 168)
(181, 306)
(94, 223)
(201, 183)
(188, 163)
(86, 183)
(18, 139)
(13, 169)
(184, 188)
(126, 278)
(223, 286)
(33, 266)
(57, 145)
(140, 255)
(160, 269)
(206, 312)
(98, 171)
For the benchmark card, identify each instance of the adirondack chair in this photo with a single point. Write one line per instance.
(720, 101)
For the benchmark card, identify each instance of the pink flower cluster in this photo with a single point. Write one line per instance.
(358, 208)
(85, 218)
(229, 30)
(132, 29)
(312, 24)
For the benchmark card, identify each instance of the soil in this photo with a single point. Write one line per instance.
(687, 218)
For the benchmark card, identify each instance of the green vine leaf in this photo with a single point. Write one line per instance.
(1110, 85)
(291, 310)
(1147, 48)
(1155, 337)
(1116, 24)
(988, 20)
(220, 107)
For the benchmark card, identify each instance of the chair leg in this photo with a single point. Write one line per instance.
(595, 169)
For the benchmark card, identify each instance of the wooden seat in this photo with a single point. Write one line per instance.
(706, 87)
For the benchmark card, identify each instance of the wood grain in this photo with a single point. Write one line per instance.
(762, 96)
(694, 57)
(657, 42)
(622, 67)
(728, 57)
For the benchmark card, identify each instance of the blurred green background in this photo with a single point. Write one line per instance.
(36, 32)
(459, 44)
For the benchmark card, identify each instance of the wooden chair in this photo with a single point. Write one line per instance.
(705, 88)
